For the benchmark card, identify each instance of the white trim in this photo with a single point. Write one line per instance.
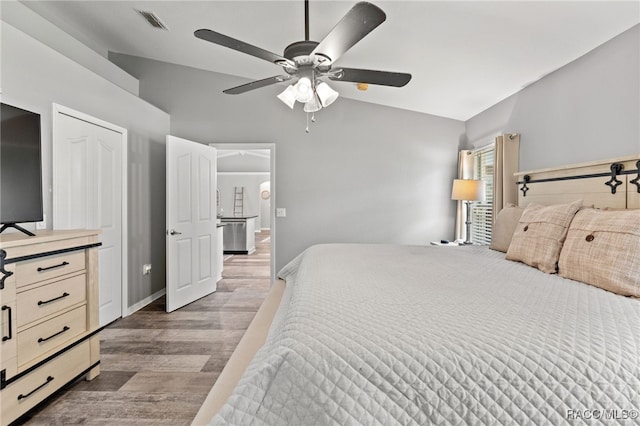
(233, 153)
(144, 302)
(272, 173)
(61, 109)
(487, 147)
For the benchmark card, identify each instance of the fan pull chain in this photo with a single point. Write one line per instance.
(313, 120)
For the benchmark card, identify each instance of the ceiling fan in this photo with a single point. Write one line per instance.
(306, 62)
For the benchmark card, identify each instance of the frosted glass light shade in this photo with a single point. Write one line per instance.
(326, 94)
(288, 96)
(467, 190)
(313, 105)
(303, 90)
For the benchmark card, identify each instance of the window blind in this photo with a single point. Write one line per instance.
(481, 211)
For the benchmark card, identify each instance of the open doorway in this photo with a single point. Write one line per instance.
(243, 170)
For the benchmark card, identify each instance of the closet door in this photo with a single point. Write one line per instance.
(88, 194)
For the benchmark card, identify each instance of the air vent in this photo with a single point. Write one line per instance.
(153, 20)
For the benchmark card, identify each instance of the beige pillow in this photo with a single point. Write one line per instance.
(603, 249)
(506, 222)
(540, 233)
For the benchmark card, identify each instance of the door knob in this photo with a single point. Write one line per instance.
(174, 232)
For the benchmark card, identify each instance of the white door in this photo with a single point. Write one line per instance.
(88, 193)
(191, 221)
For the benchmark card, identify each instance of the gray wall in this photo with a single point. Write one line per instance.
(243, 163)
(251, 183)
(365, 173)
(249, 169)
(587, 110)
(33, 76)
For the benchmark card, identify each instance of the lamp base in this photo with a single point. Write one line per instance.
(468, 223)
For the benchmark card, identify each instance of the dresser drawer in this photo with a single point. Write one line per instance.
(50, 334)
(43, 268)
(51, 298)
(25, 393)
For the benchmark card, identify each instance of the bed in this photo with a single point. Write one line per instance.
(390, 334)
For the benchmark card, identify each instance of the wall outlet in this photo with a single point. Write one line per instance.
(43, 224)
(281, 212)
(146, 269)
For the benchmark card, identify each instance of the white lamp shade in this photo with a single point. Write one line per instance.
(313, 105)
(467, 190)
(326, 94)
(288, 96)
(303, 90)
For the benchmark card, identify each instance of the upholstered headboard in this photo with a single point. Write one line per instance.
(611, 183)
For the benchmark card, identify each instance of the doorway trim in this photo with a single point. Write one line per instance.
(272, 178)
(61, 109)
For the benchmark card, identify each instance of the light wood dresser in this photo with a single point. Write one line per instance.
(49, 316)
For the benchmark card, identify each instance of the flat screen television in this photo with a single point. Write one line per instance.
(20, 168)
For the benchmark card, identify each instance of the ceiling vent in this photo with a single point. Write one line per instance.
(153, 20)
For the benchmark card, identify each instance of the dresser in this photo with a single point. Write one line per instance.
(48, 316)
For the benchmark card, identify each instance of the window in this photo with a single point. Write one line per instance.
(482, 211)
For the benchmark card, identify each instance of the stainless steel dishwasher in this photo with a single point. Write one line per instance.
(235, 235)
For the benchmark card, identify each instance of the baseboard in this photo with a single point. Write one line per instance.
(144, 302)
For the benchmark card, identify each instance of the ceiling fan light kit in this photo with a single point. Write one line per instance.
(314, 96)
(308, 61)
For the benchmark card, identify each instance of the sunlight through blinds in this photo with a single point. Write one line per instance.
(481, 211)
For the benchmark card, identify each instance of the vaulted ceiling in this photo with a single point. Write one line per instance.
(464, 55)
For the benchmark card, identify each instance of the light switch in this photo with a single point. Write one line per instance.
(281, 212)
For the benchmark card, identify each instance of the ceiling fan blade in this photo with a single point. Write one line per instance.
(382, 78)
(241, 46)
(354, 26)
(257, 84)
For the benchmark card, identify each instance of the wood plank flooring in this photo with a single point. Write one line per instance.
(157, 368)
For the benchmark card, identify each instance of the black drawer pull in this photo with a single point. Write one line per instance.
(44, 339)
(49, 379)
(65, 294)
(65, 263)
(5, 338)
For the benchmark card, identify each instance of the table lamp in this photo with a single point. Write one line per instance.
(468, 190)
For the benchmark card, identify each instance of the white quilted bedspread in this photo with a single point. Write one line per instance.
(385, 335)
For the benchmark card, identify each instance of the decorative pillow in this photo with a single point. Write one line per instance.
(540, 233)
(603, 249)
(506, 222)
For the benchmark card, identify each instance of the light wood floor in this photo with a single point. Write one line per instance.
(157, 368)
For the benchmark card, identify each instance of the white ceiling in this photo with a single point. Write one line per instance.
(465, 56)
